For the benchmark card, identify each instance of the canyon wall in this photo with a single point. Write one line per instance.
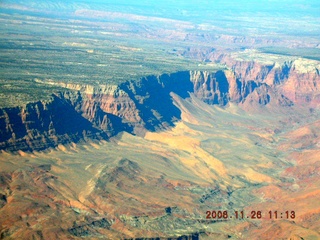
(99, 112)
(296, 79)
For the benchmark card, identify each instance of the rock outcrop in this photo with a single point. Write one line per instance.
(43, 124)
(296, 79)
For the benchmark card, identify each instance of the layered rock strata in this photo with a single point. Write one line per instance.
(99, 112)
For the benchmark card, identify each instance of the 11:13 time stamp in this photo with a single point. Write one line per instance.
(224, 215)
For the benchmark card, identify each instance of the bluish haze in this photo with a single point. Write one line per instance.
(252, 16)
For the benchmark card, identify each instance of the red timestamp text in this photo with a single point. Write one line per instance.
(256, 214)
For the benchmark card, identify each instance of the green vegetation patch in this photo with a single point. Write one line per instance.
(78, 51)
(19, 93)
(309, 53)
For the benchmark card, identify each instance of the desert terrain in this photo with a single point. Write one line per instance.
(159, 120)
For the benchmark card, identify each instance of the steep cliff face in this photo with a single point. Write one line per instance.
(43, 124)
(298, 80)
(104, 108)
(302, 87)
(137, 105)
(151, 97)
(99, 112)
(212, 88)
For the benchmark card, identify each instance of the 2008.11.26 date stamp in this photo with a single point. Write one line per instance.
(224, 215)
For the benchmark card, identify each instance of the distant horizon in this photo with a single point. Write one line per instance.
(294, 17)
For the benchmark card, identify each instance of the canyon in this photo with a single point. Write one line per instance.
(159, 120)
(103, 111)
(148, 158)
